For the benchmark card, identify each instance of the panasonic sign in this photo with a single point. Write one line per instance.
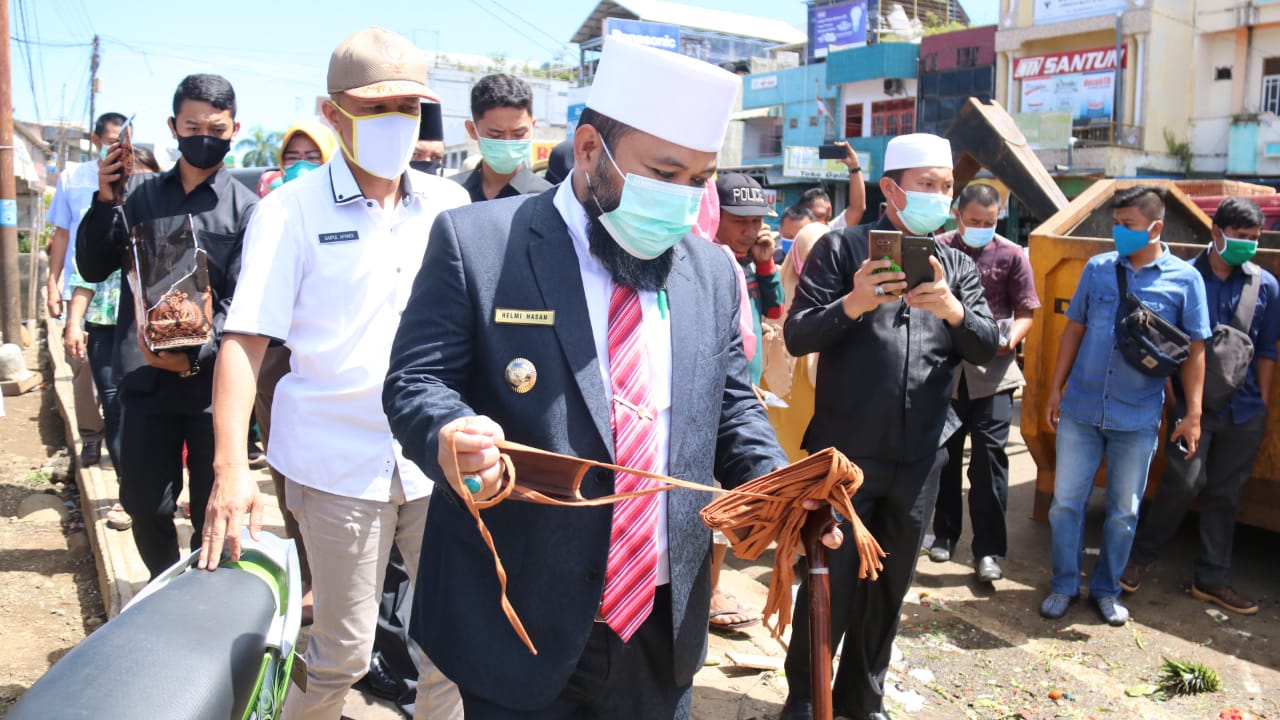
(656, 35)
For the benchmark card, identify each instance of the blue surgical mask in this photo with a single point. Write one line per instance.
(504, 156)
(652, 216)
(299, 168)
(102, 153)
(924, 212)
(977, 237)
(1129, 241)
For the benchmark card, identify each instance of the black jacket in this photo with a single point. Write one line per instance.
(884, 380)
(449, 360)
(220, 209)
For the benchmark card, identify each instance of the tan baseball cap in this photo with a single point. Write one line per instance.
(376, 63)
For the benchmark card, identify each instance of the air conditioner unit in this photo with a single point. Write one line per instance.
(893, 86)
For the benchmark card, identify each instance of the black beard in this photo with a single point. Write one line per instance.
(626, 269)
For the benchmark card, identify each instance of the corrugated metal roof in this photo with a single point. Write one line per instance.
(672, 13)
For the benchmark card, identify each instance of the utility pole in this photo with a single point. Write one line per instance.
(10, 312)
(93, 83)
(1118, 113)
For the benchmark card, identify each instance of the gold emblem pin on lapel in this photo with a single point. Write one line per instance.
(521, 375)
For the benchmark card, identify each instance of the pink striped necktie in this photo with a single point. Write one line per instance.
(633, 552)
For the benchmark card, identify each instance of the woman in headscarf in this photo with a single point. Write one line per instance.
(306, 146)
(790, 380)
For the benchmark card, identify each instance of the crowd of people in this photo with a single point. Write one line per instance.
(387, 326)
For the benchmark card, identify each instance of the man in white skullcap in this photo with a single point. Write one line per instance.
(586, 321)
(887, 358)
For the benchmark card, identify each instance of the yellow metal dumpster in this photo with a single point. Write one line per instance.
(1060, 247)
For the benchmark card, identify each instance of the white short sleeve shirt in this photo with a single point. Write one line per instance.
(71, 200)
(328, 272)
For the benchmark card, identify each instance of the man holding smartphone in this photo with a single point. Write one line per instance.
(884, 384)
(743, 209)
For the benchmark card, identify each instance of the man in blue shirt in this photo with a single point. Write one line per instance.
(1109, 406)
(71, 200)
(1230, 438)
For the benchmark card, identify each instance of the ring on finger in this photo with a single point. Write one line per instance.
(473, 483)
(879, 291)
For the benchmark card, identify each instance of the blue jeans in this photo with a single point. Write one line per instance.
(99, 347)
(1080, 449)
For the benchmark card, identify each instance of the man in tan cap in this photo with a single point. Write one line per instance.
(328, 264)
(847, 308)
(588, 321)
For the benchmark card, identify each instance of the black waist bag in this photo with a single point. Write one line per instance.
(1153, 345)
(1228, 353)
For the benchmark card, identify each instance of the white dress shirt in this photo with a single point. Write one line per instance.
(328, 272)
(598, 285)
(71, 200)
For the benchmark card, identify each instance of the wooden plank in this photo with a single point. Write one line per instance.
(18, 387)
(754, 662)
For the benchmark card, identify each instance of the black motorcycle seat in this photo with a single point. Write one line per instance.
(191, 651)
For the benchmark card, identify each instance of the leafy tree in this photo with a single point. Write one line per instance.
(261, 148)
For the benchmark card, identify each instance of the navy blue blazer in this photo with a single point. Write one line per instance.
(449, 360)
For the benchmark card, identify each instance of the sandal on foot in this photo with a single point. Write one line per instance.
(731, 626)
(118, 519)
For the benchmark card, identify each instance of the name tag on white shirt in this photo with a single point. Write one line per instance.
(338, 237)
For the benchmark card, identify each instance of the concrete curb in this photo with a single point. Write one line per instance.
(97, 492)
(121, 572)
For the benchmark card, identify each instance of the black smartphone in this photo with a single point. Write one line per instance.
(1180, 443)
(832, 152)
(916, 251)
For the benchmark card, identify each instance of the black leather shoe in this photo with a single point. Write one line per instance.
(90, 453)
(796, 710)
(380, 682)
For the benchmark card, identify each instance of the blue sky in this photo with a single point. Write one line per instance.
(275, 53)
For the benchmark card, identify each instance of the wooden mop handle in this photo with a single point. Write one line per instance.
(816, 525)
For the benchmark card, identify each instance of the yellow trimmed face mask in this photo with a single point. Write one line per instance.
(381, 144)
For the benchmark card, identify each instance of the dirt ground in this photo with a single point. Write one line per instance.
(965, 650)
(49, 598)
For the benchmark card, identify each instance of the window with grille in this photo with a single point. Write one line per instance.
(967, 57)
(1271, 85)
(893, 117)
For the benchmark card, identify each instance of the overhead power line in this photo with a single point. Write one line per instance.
(559, 42)
(540, 43)
(28, 41)
(21, 7)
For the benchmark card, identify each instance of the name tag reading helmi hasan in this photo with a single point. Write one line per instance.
(507, 316)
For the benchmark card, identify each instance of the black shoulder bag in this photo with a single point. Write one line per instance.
(1153, 345)
(1228, 353)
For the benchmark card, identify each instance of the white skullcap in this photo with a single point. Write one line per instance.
(673, 97)
(917, 150)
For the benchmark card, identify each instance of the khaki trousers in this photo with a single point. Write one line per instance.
(88, 414)
(348, 543)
